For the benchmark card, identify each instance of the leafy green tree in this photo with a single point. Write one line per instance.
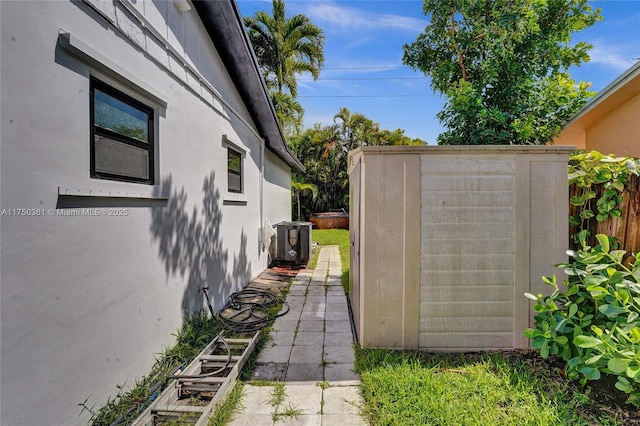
(320, 151)
(396, 137)
(324, 150)
(502, 66)
(285, 47)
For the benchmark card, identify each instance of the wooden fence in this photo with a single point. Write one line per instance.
(626, 228)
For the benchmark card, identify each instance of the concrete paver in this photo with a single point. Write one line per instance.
(303, 396)
(305, 372)
(296, 299)
(336, 298)
(337, 307)
(315, 337)
(299, 289)
(271, 372)
(342, 316)
(338, 339)
(305, 355)
(340, 373)
(337, 354)
(318, 308)
(271, 354)
(313, 315)
(285, 324)
(281, 338)
(342, 420)
(258, 397)
(303, 420)
(340, 326)
(310, 325)
(341, 400)
(309, 338)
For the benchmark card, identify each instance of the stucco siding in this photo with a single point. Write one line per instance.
(618, 132)
(277, 189)
(94, 287)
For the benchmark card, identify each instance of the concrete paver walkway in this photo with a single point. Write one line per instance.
(307, 364)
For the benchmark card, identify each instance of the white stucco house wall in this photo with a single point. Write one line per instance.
(140, 158)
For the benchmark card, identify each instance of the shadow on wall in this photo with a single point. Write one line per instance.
(190, 243)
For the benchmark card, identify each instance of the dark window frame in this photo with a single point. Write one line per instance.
(239, 173)
(148, 146)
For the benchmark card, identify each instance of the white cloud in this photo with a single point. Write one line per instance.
(371, 66)
(611, 55)
(357, 42)
(324, 120)
(330, 13)
(316, 85)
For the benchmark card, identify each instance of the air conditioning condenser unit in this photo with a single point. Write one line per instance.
(293, 242)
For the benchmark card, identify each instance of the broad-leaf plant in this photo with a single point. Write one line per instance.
(592, 319)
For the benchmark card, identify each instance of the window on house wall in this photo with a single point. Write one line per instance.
(122, 140)
(234, 171)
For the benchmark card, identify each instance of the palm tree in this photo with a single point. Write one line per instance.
(289, 112)
(285, 47)
(298, 187)
(355, 129)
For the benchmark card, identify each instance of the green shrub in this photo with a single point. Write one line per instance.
(593, 174)
(592, 321)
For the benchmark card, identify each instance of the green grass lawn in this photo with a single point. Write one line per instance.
(421, 388)
(339, 237)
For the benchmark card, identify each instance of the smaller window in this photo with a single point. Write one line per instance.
(122, 140)
(234, 171)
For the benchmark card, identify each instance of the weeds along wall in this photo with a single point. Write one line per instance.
(446, 241)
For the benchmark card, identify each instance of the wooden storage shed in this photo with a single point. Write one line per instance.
(445, 241)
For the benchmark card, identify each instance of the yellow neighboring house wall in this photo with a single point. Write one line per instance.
(610, 121)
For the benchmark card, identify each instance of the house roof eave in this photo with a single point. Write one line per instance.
(223, 22)
(607, 99)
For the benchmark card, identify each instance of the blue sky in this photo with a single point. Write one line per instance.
(363, 59)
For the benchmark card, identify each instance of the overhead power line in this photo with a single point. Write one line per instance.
(365, 96)
(367, 68)
(407, 121)
(364, 78)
